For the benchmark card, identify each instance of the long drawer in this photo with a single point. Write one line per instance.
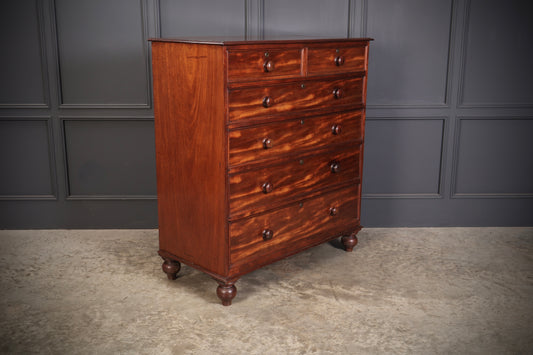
(277, 234)
(257, 190)
(275, 139)
(245, 103)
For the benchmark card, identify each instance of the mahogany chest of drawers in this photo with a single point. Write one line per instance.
(259, 149)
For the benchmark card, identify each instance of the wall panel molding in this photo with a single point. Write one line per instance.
(254, 19)
(497, 162)
(409, 77)
(440, 183)
(201, 18)
(307, 18)
(497, 46)
(70, 195)
(40, 19)
(456, 190)
(147, 78)
(357, 18)
(51, 161)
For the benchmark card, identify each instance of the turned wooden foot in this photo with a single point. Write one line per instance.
(350, 241)
(226, 292)
(171, 268)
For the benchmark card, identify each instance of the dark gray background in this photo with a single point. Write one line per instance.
(450, 105)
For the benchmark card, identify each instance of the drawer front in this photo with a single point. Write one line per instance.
(257, 190)
(277, 234)
(260, 101)
(336, 60)
(264, 64)
(274, 139)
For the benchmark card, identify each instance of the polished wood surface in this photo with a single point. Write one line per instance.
(259, 151)
(290, 179)
(190, 152)
(300, 134)
(264, 64)
(335, 60)
(293, 224)
(294, 96)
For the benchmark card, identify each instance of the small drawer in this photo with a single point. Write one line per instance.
(264, 64)
(246, 103)
(336, 60)
(272, 236)
(257, 190)
(275, 139)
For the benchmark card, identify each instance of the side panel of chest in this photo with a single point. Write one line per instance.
(191, 153)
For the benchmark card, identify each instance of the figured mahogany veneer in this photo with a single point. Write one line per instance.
(247, 144)
(302, 95)
(259, 150)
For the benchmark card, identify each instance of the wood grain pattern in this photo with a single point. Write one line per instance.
(190, 149)
(292, 225)
(294, 96)
(259, 150)
(250, 65)
(300, 134)
(289, 179)
(323, 60)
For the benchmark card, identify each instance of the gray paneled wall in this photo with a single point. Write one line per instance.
(449, 119)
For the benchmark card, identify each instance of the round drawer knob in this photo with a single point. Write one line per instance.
(335, 167)
(267, 187)
(269, 66)
(339, 60)
(267, 101)
(333, 211)
(267, 143)
(338, 93)
(336, 129)
(267, 234)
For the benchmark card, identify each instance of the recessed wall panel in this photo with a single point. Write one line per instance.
(202, 18)
(495, 157)
(498, 69)
(110, 157)
(25, 159)
(21, 77)
(409, 57)
(102, 57)
(402, 156)
(306, 17)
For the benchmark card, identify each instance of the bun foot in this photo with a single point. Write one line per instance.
(171, 268)
(226, 292)
(350, 241)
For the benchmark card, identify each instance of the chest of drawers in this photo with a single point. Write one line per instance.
(259, 148)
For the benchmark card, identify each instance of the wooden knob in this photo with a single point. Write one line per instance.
(267, 187)
(336, 129)
(269, 66)
(267, 234)
(335, 167)
(267, 143)
(338, 93)
(267, 101)
(333, 211)
(339, 60)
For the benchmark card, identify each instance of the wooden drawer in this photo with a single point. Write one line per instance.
(264, 64)
(336, 60)
(291, 97)
(257, 190)
(275, 139)
(294, 227)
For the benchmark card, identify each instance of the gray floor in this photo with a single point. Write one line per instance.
(402, 291)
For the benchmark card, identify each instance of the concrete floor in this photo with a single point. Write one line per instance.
(402, 291)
